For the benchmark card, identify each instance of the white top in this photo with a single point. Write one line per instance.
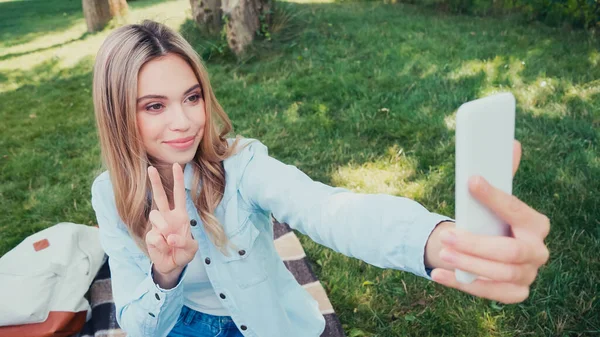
(199, 294)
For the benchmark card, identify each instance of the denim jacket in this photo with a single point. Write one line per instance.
(260, 294)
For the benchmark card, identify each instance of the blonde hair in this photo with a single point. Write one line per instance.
(118, 63)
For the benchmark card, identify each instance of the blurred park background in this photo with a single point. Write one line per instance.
(359, 94)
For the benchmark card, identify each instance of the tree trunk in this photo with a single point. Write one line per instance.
(96, 13)
(244, 20)
(207, 14)
(118, 7)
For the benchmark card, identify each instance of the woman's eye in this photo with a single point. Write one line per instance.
(194, 98)
(154, 107)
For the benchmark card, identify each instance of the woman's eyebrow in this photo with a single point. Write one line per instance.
(191, 89)
(194, 87)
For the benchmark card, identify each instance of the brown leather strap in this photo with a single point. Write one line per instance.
(58, 324)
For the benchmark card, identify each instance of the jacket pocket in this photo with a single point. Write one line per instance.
(246, 259)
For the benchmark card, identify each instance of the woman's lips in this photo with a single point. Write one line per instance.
(181, 143)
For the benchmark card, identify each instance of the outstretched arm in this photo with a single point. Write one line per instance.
(382, 230)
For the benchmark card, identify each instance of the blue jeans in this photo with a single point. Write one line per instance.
(192, 323)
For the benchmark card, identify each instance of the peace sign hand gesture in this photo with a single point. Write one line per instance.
(170, 243)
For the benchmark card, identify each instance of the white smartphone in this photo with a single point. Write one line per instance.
(485, 131)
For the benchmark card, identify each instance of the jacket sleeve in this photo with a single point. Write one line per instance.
(142, 307)
(383, 230)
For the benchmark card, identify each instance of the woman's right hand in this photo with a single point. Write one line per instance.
(170, 243)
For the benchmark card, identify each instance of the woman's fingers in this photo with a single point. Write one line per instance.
(186, 243)
(158, 221)
(158, 192)
(504, 272)
(174, 248)
(178, 188)
(169, 234)
(496, 248)
(178, 241)
(517, 151)
(509, 208)
(185, 250)
(493, 290)
(161, 225)
(157, 241)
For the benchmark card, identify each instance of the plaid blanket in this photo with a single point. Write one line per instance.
(104, 323)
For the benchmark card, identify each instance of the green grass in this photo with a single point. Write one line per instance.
(360, 95)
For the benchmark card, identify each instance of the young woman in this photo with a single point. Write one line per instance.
(184, 212)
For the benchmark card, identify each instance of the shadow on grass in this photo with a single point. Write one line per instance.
(58, 45)
(22, 21)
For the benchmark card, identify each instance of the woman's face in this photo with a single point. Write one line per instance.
(170, 110)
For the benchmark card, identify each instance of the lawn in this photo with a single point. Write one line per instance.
(359, 95)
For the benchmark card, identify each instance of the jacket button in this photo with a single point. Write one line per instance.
(193, 222)
(243, 327)
(222, 295)
(157, 297)
(151, 314)
(207, 260)
(242, 252)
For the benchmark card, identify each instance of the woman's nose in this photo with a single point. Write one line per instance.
(179, 120)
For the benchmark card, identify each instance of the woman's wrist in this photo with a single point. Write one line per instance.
(434, 246)
(166, 280)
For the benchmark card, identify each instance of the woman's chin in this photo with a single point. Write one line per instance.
(180, 158)
(183, 159)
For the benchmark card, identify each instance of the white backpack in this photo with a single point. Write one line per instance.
(48, 273)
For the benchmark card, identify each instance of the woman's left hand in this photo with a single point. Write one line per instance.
(507, 266)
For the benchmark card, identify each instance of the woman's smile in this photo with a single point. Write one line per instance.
(181, 143)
